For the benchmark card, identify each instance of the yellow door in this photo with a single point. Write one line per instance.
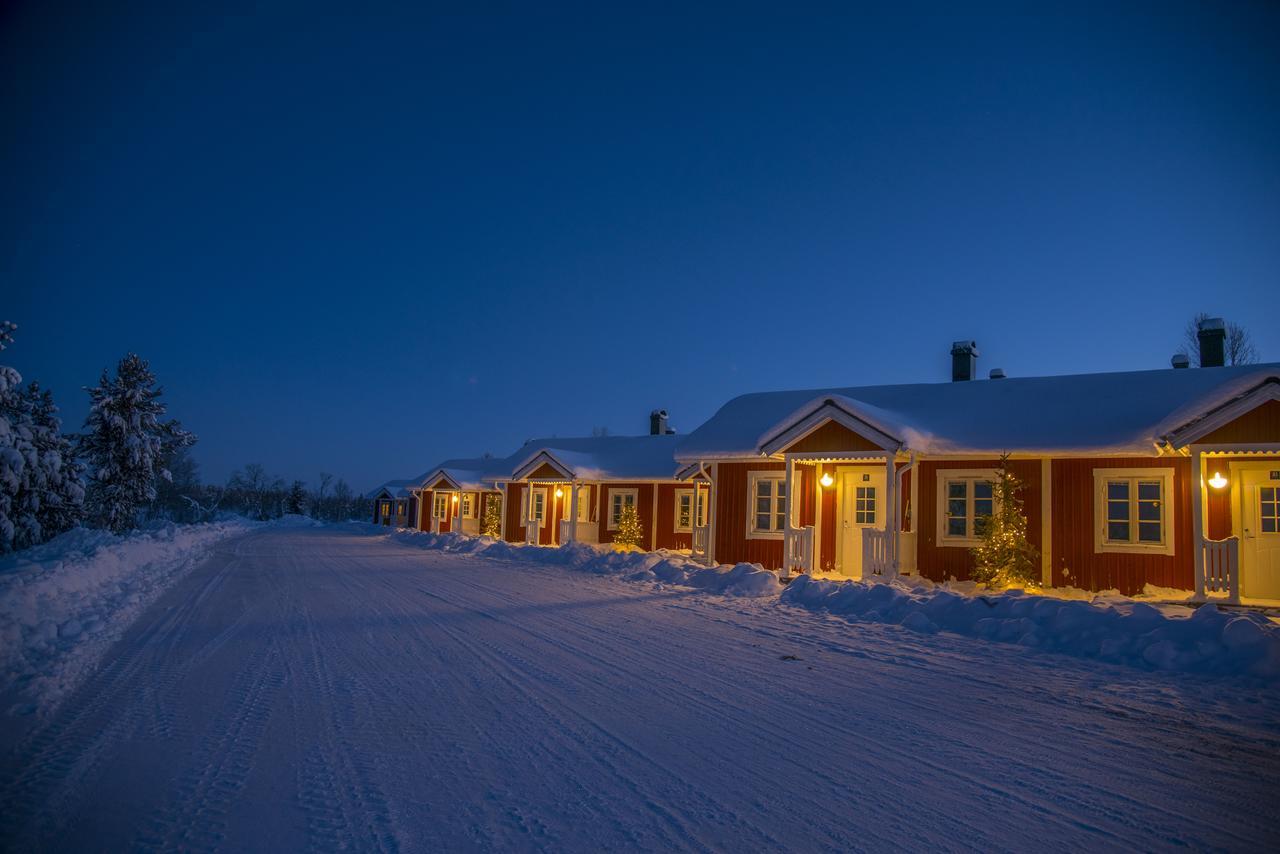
(1260, 543)
(861, 507)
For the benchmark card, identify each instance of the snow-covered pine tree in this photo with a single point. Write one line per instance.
(18, 525)
(1005, 556)
(629, 533)
(57, 481)
(491, 525)
(126, 443)
(297, 501)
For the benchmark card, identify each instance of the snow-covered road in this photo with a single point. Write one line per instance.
(322, 688)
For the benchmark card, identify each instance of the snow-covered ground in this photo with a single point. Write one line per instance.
(329, 688)
(63, 603)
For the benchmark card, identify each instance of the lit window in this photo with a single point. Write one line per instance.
(1131, 510)
(468, 505)
(619, 500)
(768, 504)
(864, 507)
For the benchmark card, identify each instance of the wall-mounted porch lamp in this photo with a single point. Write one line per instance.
(826, 480)
(1218, 481)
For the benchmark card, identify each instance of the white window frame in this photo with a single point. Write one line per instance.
(944, 539)
(583, 510)
(437, 498)
(1102, 545)
(525, 506)
(611, 524)
(753, 479)
(468, 508)
(683, 495)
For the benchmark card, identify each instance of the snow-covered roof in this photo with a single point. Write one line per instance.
(393, 489)
(475, 474)
(1122, 413)
(616, 458)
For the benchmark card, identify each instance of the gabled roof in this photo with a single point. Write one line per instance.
(616, 458)
(392, 489)
(1121, 413)
(472, 474)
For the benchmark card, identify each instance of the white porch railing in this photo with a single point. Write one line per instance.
(531, 528)
(564, 532)
(700, 540)
(588, 532)
(1222, 567)
(877, 554)
(797, 549)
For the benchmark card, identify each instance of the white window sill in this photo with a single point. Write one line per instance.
(1133, 548)
(764, 535)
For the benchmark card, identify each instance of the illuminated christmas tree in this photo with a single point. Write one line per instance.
(629, 533)
(491, 525)
(1005, 557)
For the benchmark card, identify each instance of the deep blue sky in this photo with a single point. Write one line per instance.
(362, 240)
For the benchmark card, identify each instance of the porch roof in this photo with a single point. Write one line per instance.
(475, 474)
(1122, 413)
(392, 489)
(612, 458)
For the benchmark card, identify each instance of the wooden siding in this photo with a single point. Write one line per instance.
(667, 536)
(732, 545)
(644, 509)
(546, 471)
(830, 521)
(513, 525)
(1261, 424)
(832, 437)
(940, 563)
(1076, 564)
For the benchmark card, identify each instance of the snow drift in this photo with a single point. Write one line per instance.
(745, 579)
(1132, 633)
(1113, 630)
(64, 602)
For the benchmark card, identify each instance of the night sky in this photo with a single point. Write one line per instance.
(362, 240)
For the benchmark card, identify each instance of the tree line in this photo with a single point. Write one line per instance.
(128, 466)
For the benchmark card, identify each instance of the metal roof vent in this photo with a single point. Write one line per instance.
(1180, 360)
(996, 374)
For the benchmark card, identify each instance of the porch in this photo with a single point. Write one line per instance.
(1235, 496)
(844, 515)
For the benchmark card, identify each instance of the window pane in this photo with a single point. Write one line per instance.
(955, 527)
(1149, 511)
(1149, 532)
(762, 521)
(1268, 508)
(762, 505)
(1149, 490)
(780, 523)
(1268, 493)
(1118, 490)
(781, 488)
(981, 507)
(982, 489)
(1269, 525)
(763, 489)
(1118, 511)
(980, 525)
(1118, 532)
(956, 489)
(956, 508)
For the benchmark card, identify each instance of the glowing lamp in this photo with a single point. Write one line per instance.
(826, 480)
(1218, 481)
(559, 492)
(455, 499)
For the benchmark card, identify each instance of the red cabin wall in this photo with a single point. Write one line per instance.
(1076, 564)
(939, 563)
(732, 545)
(644, 510)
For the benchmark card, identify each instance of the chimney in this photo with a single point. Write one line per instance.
(964, 360)
(1180, 360)
(1212, 333)
(996, 374)
(658, 423)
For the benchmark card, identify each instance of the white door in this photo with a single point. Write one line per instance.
(861, 506)
(1260, 543)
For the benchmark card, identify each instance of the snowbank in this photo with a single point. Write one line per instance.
(1132, 633)
(1111, 628)
(745, 579)
(63, 603)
